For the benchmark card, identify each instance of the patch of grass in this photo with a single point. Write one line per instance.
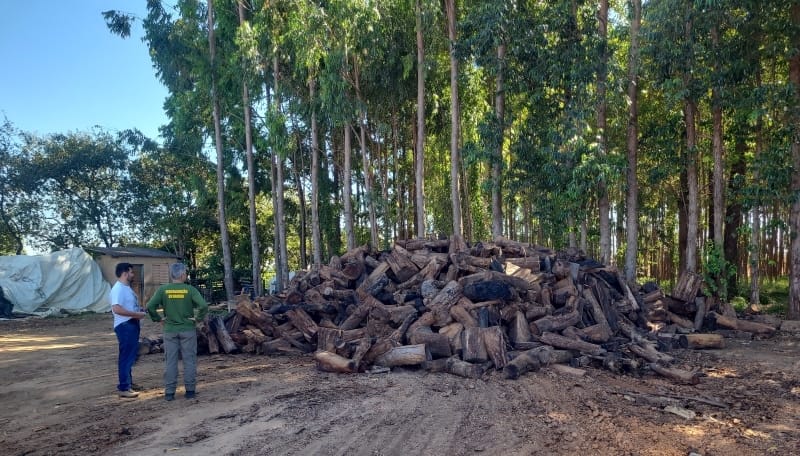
(774, 296)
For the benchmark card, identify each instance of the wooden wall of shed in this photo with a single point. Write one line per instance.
(155, 272)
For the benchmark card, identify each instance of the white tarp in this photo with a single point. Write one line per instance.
(67, 280)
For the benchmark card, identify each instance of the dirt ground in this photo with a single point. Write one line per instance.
(58, 377)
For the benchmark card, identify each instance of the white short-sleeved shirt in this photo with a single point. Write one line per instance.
(123, 295)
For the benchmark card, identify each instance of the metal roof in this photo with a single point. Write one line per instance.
(118, 252)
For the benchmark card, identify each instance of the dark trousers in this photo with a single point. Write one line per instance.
(128, 338)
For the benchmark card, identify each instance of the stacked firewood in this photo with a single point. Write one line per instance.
(447, 307)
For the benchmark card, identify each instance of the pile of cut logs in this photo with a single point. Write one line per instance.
(445, 306)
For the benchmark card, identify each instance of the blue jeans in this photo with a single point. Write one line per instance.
(184, 344)
(128, 338)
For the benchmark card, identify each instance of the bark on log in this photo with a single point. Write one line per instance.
(647, 351)
(328, 339)
(680, 321)
(302, 321)
(741, 325)
(683, 376)
(380, 347)
(362, 347)
(441, 303)
(688, 286)
(438, 344)
(460, 313)
(218, 326)
(495, 342)
(255, 316)
(519, 331)
(406, 355)
(463, 369)
(570, 344)
(701, 341)
(472, 348)
(700, 316)
(603, 331)
(524, 362)
(555, 323)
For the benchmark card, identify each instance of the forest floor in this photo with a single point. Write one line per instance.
(58, 376)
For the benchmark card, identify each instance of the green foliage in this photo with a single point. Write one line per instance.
(717, 272)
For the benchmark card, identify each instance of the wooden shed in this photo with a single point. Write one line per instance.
(151, 267)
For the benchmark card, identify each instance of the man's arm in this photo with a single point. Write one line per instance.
(152, 306)
(123, 312)
(200, 304)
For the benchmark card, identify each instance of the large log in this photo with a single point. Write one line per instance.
(495, 342)
(331, 362)
(460, 313)
(570, 344)
(603, 331)
(741, 325)
(524, 362)
(555, 323)
(255, 316)
(302, 321)
(700, 341)
(406, 355)
(362, 347)
(519, 331)
(472, 348)
(441, 303)
(463, 369)
(683, 376)
(687, 287)
(218, 326)
(647, 351)
(438, 344)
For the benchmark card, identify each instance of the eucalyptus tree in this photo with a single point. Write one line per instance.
(602, 142)
(246, 45)
(632, 144)
(455, 119)
(794, 130)
(419, 151)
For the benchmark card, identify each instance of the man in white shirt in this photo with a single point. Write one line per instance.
(127, 313)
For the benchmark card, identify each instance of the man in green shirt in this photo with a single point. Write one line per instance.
(179, 302)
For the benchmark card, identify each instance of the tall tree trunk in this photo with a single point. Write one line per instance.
(602, 76)
(692, 203)
(632, 196)
(282, 261)
(755, 236)
(301, 196)
(794, 216)
(347, 187)
(316, 241)
(255, 250)
(717, 148)
(455, 124)
(419, 152)
(227, 264)
(497, 163)
(733, 214)
(369, 191)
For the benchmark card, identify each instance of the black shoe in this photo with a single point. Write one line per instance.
(189, 395)
(169, 397)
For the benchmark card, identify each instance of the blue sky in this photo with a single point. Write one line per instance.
(63, 71)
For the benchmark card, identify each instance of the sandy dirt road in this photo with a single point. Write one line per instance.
(57, 396)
